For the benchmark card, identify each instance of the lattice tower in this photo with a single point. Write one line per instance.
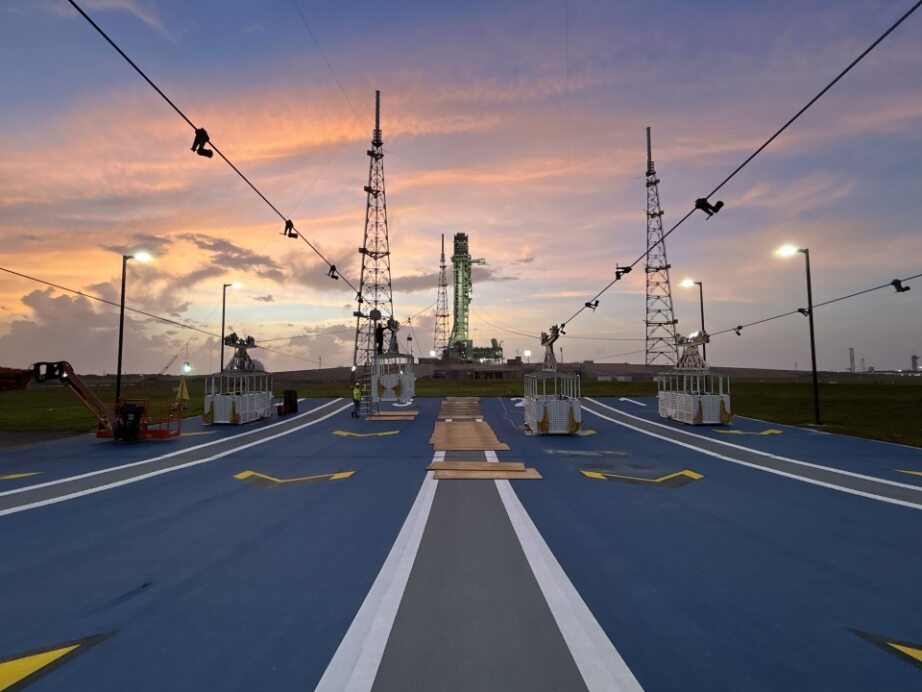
(440, 339)
(375, 295)
(661, 322)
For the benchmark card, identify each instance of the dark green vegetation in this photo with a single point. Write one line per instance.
(891, 412)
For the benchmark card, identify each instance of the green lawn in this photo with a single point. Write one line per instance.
(891, 412)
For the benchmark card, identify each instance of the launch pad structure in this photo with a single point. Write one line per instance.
(461, 347)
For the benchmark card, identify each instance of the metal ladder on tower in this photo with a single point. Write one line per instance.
(366, 407)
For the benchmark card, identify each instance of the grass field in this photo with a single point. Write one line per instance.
(891, 412)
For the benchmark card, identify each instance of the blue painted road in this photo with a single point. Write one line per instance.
(212, 582)
(855, 454)
(742, 580)
(86, 453)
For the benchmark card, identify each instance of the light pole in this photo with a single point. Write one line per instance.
(688, 283)
(789, 251)
(234, 284)
(141, 257)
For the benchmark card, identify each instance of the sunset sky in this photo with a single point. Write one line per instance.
(519, 123)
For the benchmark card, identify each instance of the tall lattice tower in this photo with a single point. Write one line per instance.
(375, 313)
(661, 335)
(440, 339)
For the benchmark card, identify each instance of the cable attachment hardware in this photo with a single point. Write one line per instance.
(804, 312)
(898, 285)
(198, 144)
(708, 208)
(289, 231)
(593, 304)
(332, 273)
(738, 330)
(621, 271)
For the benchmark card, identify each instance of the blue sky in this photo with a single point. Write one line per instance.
(521, 124)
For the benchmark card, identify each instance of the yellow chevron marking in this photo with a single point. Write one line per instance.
(911, 473)
(346, 433)
(16, 672)
(14, 476)
(598, 475)
(19, 669)
(911, 651)
(734, 431)
(341, 475)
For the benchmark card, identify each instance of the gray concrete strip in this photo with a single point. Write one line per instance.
(51, 492)
(844, 481)
(473, 616)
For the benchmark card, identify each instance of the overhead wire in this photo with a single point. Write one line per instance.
(848, 296)
(305, 335)
(752, 156)
(108, 302)
(138, 311)
(209, 141)
(323, 55)
(495, 325)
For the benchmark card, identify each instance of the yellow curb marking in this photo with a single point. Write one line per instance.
(14, 476)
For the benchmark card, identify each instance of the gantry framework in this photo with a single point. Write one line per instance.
(661, 332)
(460, 344)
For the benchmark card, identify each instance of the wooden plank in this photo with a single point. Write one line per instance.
(476, 466)
(527, 474)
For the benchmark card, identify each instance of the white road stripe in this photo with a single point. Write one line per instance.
(796, 477)
(358, 657)
(172, 454)
(160, 472)
(601, 666)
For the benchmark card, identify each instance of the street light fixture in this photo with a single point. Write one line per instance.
(527, 355)
(234, 284)
(688, 283)
(790, 251)
(141, 256)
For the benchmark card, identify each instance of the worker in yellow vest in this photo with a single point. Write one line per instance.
(356, 399)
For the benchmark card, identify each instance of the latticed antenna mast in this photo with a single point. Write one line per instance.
(375, 297)
(440, 339)
(661, 335)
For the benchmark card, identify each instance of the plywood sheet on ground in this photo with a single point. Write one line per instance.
(476, 466)
(458, 411)
(465, 436)
(527, 474)
(456, 407)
